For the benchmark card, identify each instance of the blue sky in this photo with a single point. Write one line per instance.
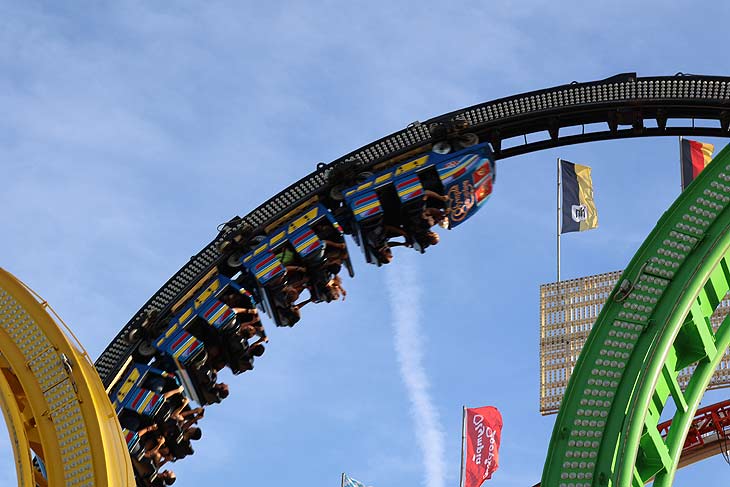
(129, 130)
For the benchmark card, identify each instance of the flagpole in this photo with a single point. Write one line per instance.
(463, 437)
(681, 169)
(342, 483)
(560, 290)
(558, 219)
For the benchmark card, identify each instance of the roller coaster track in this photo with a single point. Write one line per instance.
(623, 104)
(53, 401)
(656, 323)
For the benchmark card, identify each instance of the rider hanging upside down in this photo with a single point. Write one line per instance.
(417, 225)
(335, 253)
(404, 224)
(431, 213)
(307, 252)
(248, 323)
(319, 276)
(435, 214)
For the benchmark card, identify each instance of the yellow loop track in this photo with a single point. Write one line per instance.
(53, 400)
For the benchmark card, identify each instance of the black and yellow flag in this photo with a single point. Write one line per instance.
(579, 210)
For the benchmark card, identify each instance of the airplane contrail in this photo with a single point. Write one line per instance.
(404, 291)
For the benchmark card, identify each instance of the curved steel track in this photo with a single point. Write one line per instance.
(622, 106)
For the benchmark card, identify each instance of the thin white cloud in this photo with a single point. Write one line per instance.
(404, 292)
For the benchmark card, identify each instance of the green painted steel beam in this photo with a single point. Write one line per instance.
(655, 323)
(669, 376)
(654, 456)
(694, 392)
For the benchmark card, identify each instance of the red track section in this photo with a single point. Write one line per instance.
(708, 435)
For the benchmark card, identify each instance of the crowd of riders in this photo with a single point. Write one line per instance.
(166, 440)
(236, 345)
(320, 275)
(163, 443)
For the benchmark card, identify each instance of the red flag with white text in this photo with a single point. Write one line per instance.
(483, 430)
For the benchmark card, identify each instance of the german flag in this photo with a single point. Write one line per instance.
(579, 210)
(695, 156)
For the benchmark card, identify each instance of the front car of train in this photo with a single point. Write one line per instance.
(467, 181)
(460, 182)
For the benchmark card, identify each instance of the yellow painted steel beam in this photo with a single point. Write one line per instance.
(18, 437)
(53, 399)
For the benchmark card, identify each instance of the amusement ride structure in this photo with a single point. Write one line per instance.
(65, 431)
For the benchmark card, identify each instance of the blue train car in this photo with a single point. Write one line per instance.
(181, 348)
(133, 443)
(181, 353)
(301, 243)
(462, 182)
(204, 336)
(138, 398)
